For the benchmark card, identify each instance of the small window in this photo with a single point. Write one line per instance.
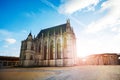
(39, 47)
(31, 57)
(32, 47)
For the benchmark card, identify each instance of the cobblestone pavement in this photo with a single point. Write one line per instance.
(62, 73)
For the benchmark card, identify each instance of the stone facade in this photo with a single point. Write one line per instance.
(101, 59)
(55, 46)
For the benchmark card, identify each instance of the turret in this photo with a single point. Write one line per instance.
(68, 27)
(29, 36)
(29, 41)
(29, 52)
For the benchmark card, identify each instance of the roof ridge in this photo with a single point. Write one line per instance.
(53, 27)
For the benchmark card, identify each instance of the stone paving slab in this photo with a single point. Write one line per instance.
(62, 73)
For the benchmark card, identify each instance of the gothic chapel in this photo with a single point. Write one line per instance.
(55, 46)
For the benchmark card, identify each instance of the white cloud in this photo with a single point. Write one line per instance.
(101, 42)
(77, 21)
(116, 29)
(71, 6)
(111, 19)
(49, 4)
(5, 32)
(107, 43)
(10, 40)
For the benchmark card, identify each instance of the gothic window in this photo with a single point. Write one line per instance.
(32, 47)
(65, 42)
(36, 48)
(50, 33)
(31, 57)
(51, 50)
(56, 32)
(24, 57)
(59, 31)
(39, 47)
(45, 50)
(58, 49)
(25, 46)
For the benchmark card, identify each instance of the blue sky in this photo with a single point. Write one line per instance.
(96, 23)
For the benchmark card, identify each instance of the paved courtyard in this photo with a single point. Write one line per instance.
(62, 73)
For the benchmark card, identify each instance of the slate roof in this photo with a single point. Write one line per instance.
(51, 30)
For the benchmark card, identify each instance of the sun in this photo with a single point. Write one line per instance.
(82, 53)
(81, 49)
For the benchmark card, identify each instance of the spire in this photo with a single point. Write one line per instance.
(29, 36)
(68, 27)
(68, 20)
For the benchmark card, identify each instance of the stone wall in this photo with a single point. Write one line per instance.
(100, 59)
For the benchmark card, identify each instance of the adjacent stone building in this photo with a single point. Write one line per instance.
(8, 61)
(55, 46)
(101, 59)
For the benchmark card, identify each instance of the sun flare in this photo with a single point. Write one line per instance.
(81, 51)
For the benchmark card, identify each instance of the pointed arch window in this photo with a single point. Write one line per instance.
(59, 49)
(32, 47)
(25, 46)
(31, 57)
(39, 50)
(36, 48)
(65, 42)
(51, 50)
(24, 57)
(45, 50)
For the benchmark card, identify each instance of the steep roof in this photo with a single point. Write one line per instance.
(51, 30)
